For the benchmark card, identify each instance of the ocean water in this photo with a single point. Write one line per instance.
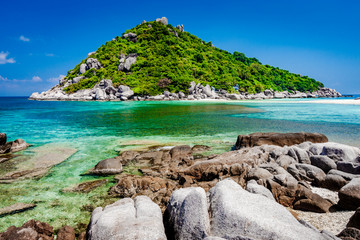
(99, 130)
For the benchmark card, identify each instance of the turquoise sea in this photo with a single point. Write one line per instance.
(99, 130)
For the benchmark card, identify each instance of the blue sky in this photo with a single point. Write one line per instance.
(42, 40)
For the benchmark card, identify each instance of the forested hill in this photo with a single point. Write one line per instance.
(155, 56)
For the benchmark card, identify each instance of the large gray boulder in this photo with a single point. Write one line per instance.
(186, 216)
(125, 91)
(299, 154)
(311, 173)
(340, 152)
(349, 167)
(238, 214)
(207, 91)
(349, 195)
(127, 219)
(125, 63)
(100, 94)
(323, 162)
(93, 63)
(83, 68)
(131, 36)
(253, 187)
(162, 20)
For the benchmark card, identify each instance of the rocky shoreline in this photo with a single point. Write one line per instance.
(105, 91)
(265, 189)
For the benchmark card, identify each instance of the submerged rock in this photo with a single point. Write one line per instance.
(37, 165)
(86, 187)
(108, 166)
(16, 208)
(12, 146)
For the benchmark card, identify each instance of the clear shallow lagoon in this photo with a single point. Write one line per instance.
(99, 129)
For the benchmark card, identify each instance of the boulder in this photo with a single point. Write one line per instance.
(349, 195)
(259, 173)
(306, 200)
(125, 91)
(253, 187)
(340, 152)
(131, 36)
(323, 162)
(162, 20)
(3, 139)
(108, 167)
(238, 214)
(19, 145)
(349, 167)
(207, 91)
(346, 176)
(299, 154)
(311, 173)
(355, 220)
(31, 230)
(83, 68)
(278, 139)
(157, 189)
(77, 79)
(127, 219)
(91, 53)
(93, 63)
(333, 182)
(130, 60)
(100, 94)
(350, 233)
(66, 233)
(186, 216)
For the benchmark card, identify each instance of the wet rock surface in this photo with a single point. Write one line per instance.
(16, 208)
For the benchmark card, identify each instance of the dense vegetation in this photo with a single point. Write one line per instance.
(166, 61)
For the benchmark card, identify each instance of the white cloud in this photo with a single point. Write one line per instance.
(3, 79)
(24, 39)
(4, 58)
(49, 54)
(36, 79)
(56, 79)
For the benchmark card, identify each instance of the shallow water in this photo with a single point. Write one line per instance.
(99, 130)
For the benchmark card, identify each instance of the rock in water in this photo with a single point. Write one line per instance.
(19, 145)
(3, 139)
(15, 208)
(186, 216)
(278, 139)
(108, 166)
(349, 195)
(127, 219)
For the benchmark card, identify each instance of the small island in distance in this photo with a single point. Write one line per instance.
(156, 61)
